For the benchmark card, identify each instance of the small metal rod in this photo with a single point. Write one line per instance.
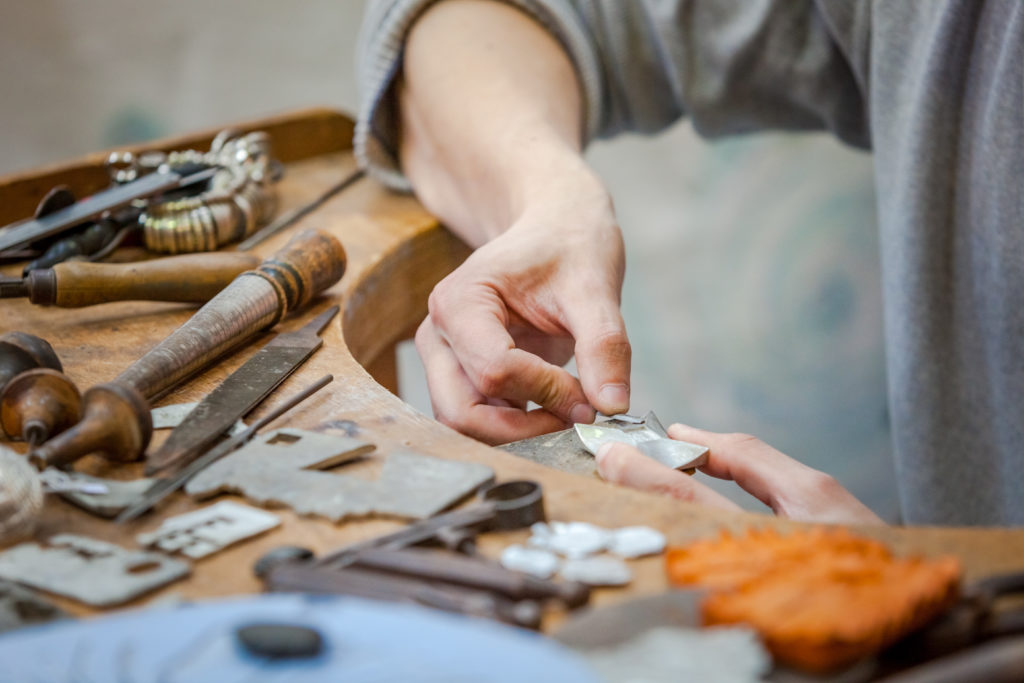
(164, 487)
(286, 219)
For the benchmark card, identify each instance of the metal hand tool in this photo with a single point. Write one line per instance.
(189, 278)
(164, 487)
(397, 588)
(117, 420)
(439, 565)
(387, 567)
(34, 229)
(505, 506)
(438, 528)
(242, 391)
(290, 217)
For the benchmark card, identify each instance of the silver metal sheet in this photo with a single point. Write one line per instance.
(648, 436)
(205, 531)
(118, 496)
(279, 468)
(88, 570)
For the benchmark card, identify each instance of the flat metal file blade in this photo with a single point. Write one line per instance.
(238, 394)
(28, 231)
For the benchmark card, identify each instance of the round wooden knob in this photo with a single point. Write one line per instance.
(20, 352)
(38, 404)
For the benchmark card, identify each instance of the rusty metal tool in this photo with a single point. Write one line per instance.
(20, 351)
(508, 505)
(388, 567)
(164, 487)
(191, 278)
(504, 506)
(288, 218)
(116, 420)
(397, 588)
(440, 565)
(242, 391)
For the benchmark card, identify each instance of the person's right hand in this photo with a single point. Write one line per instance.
(501, 325)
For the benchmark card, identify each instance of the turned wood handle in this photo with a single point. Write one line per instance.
(194, 278)
(256, 300)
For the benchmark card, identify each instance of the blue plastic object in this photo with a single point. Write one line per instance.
(364, 642)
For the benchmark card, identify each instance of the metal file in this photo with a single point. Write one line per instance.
(239, 393)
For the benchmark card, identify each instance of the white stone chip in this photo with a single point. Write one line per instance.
(532, 561)
(636, 541)
(597, 571)
(573, 540)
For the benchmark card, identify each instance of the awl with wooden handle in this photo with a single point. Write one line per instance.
(191, 278)
(116, 421)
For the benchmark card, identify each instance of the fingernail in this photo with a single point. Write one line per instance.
(582, 412)
(602, 452)
(615, 398)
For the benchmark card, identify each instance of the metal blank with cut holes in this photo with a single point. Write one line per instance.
(280, 469)
(646, 435)
(205, 531)
(88, 570)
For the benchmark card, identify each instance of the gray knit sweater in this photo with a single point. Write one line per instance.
(935, 88)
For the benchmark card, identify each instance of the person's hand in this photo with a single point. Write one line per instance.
(788, 487)
(501, 326)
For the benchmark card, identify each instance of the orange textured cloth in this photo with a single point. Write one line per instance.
(821, 599)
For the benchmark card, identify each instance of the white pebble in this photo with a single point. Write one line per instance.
(539, 563)
(576, 540)
(597, 571)
(636, 541)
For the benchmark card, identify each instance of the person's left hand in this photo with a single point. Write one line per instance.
(790, 488)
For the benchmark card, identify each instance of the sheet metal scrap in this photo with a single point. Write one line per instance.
(205, 531)
(109, 497)
(648, 436)
(279, 468)
(20, 607)
(95, 572)
(170, 416)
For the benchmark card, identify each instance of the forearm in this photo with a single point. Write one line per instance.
(491, 117)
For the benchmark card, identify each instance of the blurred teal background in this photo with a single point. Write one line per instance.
(752, 291)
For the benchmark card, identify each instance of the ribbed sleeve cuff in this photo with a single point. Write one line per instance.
(380, 48)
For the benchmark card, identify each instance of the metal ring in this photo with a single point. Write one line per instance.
(517, 504)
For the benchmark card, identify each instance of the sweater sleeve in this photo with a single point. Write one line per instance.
(732, 66)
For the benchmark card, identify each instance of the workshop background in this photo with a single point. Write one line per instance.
(752, 293)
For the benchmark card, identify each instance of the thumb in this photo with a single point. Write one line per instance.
(622, 464)
(602, 353)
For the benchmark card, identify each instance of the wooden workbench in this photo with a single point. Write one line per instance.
(397, 252)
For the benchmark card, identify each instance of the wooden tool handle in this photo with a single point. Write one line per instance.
(189, 278)
(255, 301)
(311, 262)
